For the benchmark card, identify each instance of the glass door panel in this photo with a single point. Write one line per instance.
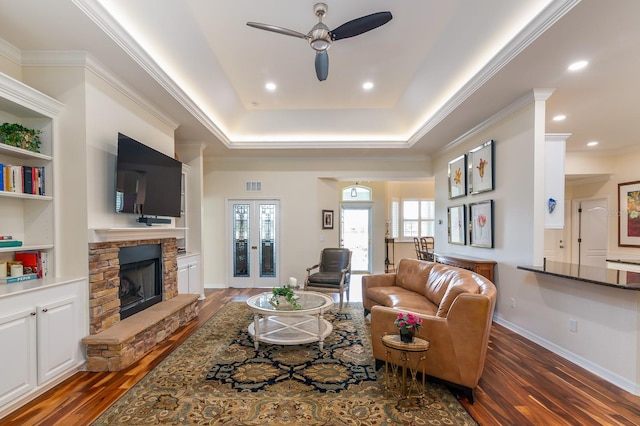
(254, 243)
(241, 240)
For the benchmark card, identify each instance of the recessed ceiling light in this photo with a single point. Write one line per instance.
(559, 117)
(270, 86)
(578, 65)
(592, 143)
(367, 85)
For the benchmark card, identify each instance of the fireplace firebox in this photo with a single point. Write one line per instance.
(140, 278)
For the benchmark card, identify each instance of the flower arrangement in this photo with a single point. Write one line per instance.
(407, 322)
(288, 294)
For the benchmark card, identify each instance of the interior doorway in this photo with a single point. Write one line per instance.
(355, 234)
(590, 232)
(253, 228)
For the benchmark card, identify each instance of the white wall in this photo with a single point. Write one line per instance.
(607, 339)
(108, 112)
(85, 153)
(304, 188)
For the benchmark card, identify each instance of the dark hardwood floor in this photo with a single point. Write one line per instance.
(522, 384)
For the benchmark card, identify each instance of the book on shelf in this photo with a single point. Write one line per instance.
(27, 179)
(10, 243)
(31, 262)
(25, 277)
(22, 179)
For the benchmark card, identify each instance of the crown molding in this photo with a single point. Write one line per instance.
(521, 102)
(528, 35)
(10, 52)
(25, 97)
(58, 58)
(99, 15)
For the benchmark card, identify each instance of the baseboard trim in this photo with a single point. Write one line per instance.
(596, 369)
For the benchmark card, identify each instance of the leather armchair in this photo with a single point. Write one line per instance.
(333, 275)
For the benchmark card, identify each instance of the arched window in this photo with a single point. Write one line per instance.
(356, 193)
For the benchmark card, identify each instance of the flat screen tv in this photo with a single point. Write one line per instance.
(148, 182)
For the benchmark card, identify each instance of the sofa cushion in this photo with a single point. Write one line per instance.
(413, 275)
(460, 282)
(398, 297)
(325, 279)
(438, 282)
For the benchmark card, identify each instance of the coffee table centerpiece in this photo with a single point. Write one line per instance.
(284, 297)
(286, 325)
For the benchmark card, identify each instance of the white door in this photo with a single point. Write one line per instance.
(355, 234)
(590, 230)
(254, 247)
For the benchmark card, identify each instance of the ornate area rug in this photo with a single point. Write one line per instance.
(217, 377)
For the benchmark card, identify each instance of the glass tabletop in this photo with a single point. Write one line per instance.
(307, 300)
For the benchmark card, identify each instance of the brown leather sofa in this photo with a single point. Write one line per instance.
(456, 307)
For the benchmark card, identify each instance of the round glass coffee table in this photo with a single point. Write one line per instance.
(289, 326)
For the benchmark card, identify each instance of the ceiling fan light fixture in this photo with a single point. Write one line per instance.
(319, 37)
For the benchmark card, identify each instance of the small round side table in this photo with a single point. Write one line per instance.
(396, 379)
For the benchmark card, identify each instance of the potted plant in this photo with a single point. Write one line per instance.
(407, 324)
(286, 294)
(14, 134)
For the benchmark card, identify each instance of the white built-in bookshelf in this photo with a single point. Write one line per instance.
(27, 217)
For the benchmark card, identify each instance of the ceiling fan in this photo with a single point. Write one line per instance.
(320, 36)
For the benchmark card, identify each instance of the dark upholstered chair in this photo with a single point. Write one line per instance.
(334, 273)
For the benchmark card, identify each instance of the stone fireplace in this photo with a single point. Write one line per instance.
(104, 278)
(117, 340)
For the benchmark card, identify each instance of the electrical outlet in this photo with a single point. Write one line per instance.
(573, 325)
(513, 302)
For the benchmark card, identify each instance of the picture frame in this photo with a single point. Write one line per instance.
(629, 214)
(327, 219)
(481, 168)
(457, 177)
(456, 220)
(481, 224)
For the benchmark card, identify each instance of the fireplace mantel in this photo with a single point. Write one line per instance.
(102, 235)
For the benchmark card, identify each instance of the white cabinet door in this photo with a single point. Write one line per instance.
(183, 277)
(56, 340)
(189, 274)
(194, 276)
(18, 355)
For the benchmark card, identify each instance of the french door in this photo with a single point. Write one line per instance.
(253, 236)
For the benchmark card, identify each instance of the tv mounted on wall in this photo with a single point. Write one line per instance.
(148, 182)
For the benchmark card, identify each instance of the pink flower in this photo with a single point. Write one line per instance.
(408, 321)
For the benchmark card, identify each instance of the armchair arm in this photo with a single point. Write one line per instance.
(311, 268)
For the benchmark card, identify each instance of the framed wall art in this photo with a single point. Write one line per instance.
(456, 217)
(458, 177)
(629, 214)
(327, 219)
(481, 168)
(481, 224)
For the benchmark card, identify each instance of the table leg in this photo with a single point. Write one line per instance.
(256, 330)
(320, 332)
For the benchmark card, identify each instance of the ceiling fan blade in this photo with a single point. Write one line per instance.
(278, 30)
(360, 25)
(322, 65)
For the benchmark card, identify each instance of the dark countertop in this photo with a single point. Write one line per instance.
(627, 261)
(589, 274)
